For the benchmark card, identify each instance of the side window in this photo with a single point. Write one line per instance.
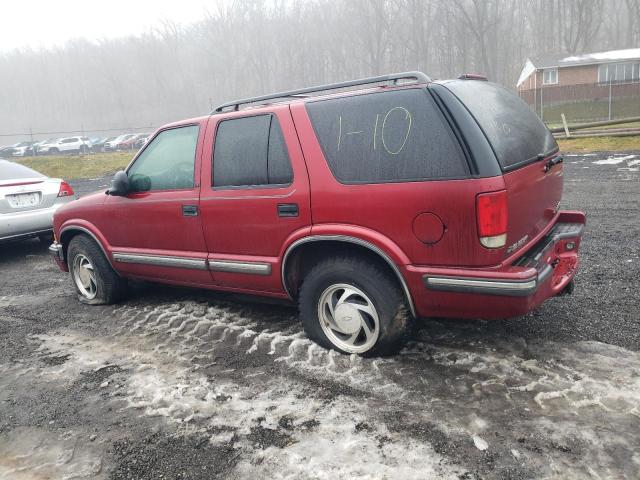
(250, 151)
(167, 163)
(386, 137)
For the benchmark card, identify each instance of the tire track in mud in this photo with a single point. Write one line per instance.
(539, 407)
(279, 423)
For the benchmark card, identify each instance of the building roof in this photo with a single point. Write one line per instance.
(562, 60)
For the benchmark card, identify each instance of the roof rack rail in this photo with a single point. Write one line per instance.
(419, 77)
(473, 76)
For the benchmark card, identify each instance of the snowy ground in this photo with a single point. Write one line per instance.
(176, 383)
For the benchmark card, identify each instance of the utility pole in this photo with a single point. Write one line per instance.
(610, 86)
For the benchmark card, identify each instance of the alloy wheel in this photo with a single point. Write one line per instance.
(348, 318)
(85, 277)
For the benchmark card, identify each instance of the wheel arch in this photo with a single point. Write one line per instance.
(70, 231)
(291, 269)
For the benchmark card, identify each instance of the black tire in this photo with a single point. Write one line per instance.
(83, 150)
(382, 288)
(54, 151)
(110, 287)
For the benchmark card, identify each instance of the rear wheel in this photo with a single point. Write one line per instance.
(96, 283)
(54, 151)
(354, 306)
(83, 149)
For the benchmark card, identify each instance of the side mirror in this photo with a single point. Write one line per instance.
(119, 184)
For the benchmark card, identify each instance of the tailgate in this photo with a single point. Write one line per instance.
(533, 197)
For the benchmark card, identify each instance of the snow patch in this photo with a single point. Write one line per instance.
(614, 160)
(480, 443)
(611, 55)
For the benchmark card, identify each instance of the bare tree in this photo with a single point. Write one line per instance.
(245, 47)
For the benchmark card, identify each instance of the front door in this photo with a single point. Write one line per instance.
(155, 231)
(255, 196)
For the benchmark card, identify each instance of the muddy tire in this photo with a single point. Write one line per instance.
(354, 306)
(95, 282)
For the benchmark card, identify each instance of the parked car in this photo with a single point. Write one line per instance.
(10, 150)
(37, 148)
(79, 145)
(28, 200)
(141, 140)
(22, 149)
(97, 145)
(369, 208)
(114, 144)
(130, 142)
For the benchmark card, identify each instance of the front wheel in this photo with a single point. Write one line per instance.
(354, 306)
(96, 283)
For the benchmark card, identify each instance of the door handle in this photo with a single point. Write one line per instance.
(190, 210)
(287, 209)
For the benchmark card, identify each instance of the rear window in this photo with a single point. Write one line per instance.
(386, 137)
(515, 132)
(15, 171)
(250, 151)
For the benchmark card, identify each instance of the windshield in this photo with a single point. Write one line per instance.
(515, 132)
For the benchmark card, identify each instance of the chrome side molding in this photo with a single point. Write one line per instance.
(161, 261)
(230, 266)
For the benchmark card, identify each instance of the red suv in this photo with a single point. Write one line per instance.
(403, 198)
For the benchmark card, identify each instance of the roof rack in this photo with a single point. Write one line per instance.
(473, 76)
(419, 77)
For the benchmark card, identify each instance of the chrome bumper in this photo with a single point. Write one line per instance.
(56, 251)
(536, 259)
(508, 288)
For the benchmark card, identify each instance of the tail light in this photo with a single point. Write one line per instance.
(65, 189)
(492, 215)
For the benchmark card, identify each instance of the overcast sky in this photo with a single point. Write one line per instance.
(37, 23)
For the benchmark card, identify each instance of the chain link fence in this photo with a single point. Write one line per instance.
(584, 103)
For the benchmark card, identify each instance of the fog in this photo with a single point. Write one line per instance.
(179, 69)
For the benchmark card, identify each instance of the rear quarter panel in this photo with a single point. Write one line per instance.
(390, 208)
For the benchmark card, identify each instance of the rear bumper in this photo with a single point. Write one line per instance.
(19, 224)
(544, 271)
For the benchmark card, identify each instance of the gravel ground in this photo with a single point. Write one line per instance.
(177, 383)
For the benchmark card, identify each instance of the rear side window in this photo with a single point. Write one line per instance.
(15, 171)
(515, 132)
(250, 151)
(386, 137)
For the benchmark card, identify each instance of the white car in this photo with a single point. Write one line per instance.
(28, 201)
(24, 149)
(66, 145)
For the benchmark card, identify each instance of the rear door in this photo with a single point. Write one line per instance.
(524, 147)
(255, 195)
(155, 231)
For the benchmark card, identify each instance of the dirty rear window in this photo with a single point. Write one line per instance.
(516, 133)
(15, 171)
(384, 137)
